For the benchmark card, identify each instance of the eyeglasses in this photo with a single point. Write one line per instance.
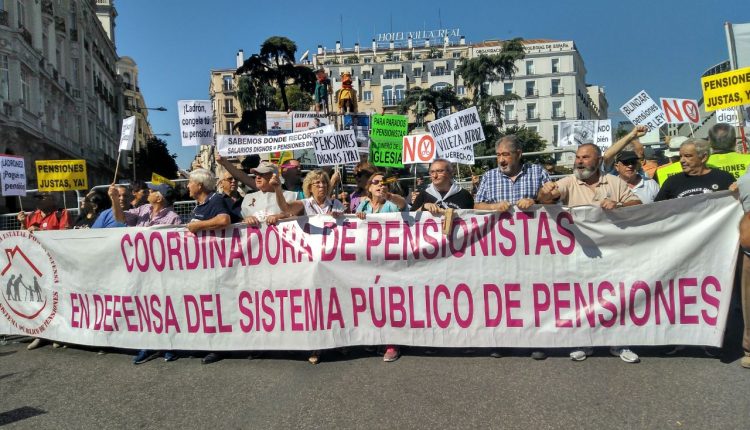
(629, 162)
(437, 171)
(319, 183)
(377, 182)
(230, 179)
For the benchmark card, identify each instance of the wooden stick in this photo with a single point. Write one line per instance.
(691, 129)
(117, 166)
(448, 221)
(20, 203)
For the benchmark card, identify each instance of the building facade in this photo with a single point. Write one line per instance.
(134, 104)
(59, 90)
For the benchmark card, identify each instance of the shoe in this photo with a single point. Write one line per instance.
(675, 350)
(170, 356)
(625, 354)
(581, 354)
(314, 357)
(539, 355)
(745, 362)
(36, 343)
(496, 354)
(211, 357)
(391, 353)
(56, 345)
(142, 356)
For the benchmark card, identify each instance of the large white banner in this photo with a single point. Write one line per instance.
(13, 172)
(553, 277)
(235, 146)
(196, 122)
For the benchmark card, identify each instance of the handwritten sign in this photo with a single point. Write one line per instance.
(196, 122)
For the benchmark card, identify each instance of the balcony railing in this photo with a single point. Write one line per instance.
(558, 114)
(532, 116)
(393, 75)
(392, 101)
(441, 72)
(532, 93)
(559, 91)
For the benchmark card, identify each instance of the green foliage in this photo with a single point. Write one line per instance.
(434, 100)
(155, 158)
(531, 142)
(298, 100)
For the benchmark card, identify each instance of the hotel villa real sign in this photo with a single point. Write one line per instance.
(418, 35)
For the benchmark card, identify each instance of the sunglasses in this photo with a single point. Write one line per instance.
(377, 182)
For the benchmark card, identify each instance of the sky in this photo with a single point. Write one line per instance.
(661, 46)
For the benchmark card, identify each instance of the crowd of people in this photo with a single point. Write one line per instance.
(626, 174)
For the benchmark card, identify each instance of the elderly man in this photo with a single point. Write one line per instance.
(724, 153)
(696, 177)
(628, 166)
(106, 219)
(261, 206)
(673, 154)
(443, 192)
(512, 183)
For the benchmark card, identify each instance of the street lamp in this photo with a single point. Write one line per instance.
(160, 108)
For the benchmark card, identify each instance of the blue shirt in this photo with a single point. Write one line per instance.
(213, 206)
(366, 207)
(497, 187)
(106, 219)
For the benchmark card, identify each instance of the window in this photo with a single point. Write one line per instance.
(531, 111)
(440, 71)
(366, 75)
(367, 96)
(555, 65)
(392, 74)
(228, 106)
(399, 93)
(532, 128)
(228, 127)
(439, 86)
(531, 89)
(530, 67)
(418, 72)
(228, 83)
(510, 113)
(4, 78)
(388, 99)
(555, 131)
(368, 60)
(508, 88)
(557, 111)
(456, 55)
(556, 89)
(26, 87)
(461, 90)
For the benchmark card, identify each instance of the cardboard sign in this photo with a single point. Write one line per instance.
(575, 133)
(727, 89)
(387, 135)
(643, 110)
(681, 111)
(336, 148)
(418, 148)
(127, 135)
(455, 131)
(61, 175)
(13, 171)
(196, 122)
(157, 179)
(238, 145)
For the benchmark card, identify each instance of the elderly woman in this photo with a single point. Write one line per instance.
(378, 200)
(316, 187)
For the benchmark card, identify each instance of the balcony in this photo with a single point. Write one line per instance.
(229, 111)
(391, 101)
(532, 116)
(393, 75)
(441, 72)
(26, 34)
(558, 114)
(559, 91)
(532, 93)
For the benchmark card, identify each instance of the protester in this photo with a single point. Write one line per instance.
(317, 189)
(696, 177)
(236, 173)
(260, 206)
(232, 197)
(673, 167)
(443, 193)
(95, 202)
(627, 167)
(291, 171)
(139, 192)
(650, 163)
(629, 140)
(158, 211)
(724, 153)
(106, 219)
(744, 189)
(511, 183)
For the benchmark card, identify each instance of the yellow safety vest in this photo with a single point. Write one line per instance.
(662, 173)
(732, 162)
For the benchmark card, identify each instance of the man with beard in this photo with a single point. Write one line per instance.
(512, 183)
(696, 177)
(628, 166)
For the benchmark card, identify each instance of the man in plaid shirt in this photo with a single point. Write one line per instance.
(512, 183)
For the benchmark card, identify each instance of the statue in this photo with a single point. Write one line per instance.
(346, 96)
(322, 85)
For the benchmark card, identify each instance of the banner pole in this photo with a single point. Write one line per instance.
(415, 177)
(741, 126)
(117, 167)
(20, 203)
(691, 129)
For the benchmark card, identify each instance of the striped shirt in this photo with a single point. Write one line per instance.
(498, 187)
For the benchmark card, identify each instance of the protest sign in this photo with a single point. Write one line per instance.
(386, 135)
(278, 123)
(61, 175)
(13, 172)
(575, 133)
(360, 123)
(159, 179)
(725, 90)
(456, 132)
(418, 148)
(643, 110)
(127, 135)
(307, 120)
(459, 154)
(336, 148)
(680, 111)
(727, 116)
(550, 277)
(196, 122)
(239, 145)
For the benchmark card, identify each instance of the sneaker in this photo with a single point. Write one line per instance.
(170, 356)
(496, 354)
(211, 357)
(625, 354)
(745, 362)
(391, 353)
(539, 355)
(36, 343)
(581, 354)
(675, 350)
(142, 356)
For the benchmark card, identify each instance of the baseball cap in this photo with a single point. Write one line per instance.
(626, 156)
(265, 167)
(165, 190)
(674, 146)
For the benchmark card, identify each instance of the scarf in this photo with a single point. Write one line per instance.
(439, 199)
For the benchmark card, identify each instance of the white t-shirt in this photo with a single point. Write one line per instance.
(261, 204)
(313, 208)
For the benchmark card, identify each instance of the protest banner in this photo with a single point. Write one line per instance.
(13, 172)
(360, 123)
(307, 120)
(725, 90)
(418, 148)
(727, 116)
(336, 148)
(643, 110)
(550, 277)
(159, 179)
(386, 139)
(196, 122)
(680, 111)
(240, 145)
(575, 133)
(61, 175)
(278, 123)
(127, 134)
(457, 132)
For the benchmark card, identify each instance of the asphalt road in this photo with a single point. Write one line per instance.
(77, 388)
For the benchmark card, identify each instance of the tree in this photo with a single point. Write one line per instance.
(298, 100)
(155, 158)
(434, 100)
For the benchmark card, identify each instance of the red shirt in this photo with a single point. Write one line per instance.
(49, 222)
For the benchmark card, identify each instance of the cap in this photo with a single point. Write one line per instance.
(625, 156)
(265, 167)
(165, 190)
(674, 146)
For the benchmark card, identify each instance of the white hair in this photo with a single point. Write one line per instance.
(205, 178)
